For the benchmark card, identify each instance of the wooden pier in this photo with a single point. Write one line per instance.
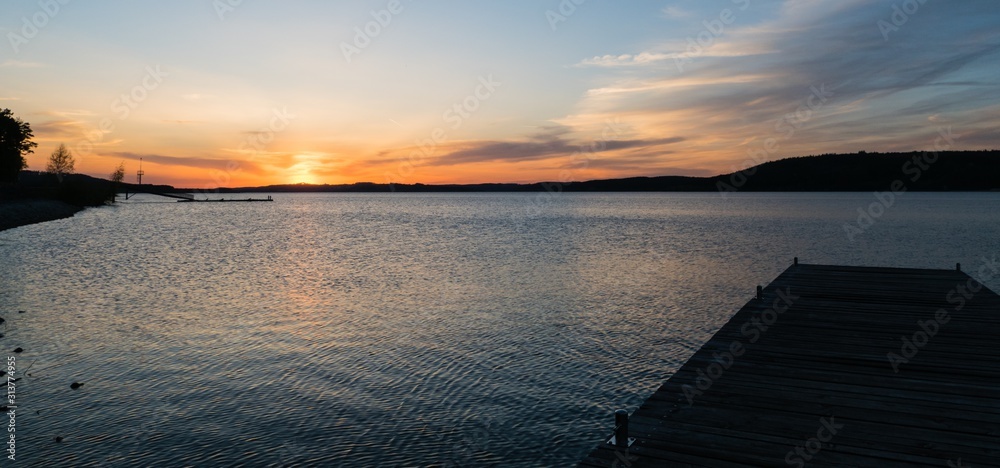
(834, 366)
(226, 200)
(189, 198)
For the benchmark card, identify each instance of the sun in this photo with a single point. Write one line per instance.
(302, 171)
(304, 178)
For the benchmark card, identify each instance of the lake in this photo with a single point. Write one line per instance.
(406, 329)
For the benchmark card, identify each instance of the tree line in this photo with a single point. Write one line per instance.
(16, 144)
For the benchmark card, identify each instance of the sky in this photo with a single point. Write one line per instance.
(236, 93)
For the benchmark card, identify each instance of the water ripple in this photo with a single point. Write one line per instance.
(426, 330)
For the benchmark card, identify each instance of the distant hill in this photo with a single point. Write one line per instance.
(76, 189)
(948, 170)
(918, 171)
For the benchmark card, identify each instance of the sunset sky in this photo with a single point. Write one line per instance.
(252, 92)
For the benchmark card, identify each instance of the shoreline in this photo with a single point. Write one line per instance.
(17, 213)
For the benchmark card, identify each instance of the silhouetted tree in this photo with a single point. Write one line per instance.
(15, 143)
(61, 162)
(119, 175)
(116, 180)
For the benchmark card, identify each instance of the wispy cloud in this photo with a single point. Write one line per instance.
(193, 162)
(674, 12)
(626, 60)
(69, 113)
(549, 144)
(754, 75)
(194, 97)
(56, 129)
(10, 63)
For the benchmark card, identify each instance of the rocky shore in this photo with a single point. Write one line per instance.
(23, 212)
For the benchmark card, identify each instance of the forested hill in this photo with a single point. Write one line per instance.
(949, 170)
(944, 171)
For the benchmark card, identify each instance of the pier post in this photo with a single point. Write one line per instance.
(760, 293)
(795, 261)
(958, 267)
(621, 428)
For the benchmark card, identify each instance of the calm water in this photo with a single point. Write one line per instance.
(437, 329)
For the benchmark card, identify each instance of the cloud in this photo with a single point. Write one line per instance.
(55, 129)
(881, 92)
(550, 143)
(196, 162)
(626, 60)
(19, 64)
(196, 97)
(673, 12)
(72, 113)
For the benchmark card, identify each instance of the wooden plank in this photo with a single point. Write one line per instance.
(827, 356)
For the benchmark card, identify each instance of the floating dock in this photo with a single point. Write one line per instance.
(833, 366)
(225, 200)
(187, 197)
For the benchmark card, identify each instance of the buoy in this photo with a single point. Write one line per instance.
(75, 385)
(59, 439)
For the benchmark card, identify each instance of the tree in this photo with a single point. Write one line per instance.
(117, 177)
(61, 162)
(15, 143)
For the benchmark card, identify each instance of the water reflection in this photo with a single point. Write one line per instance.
(370, 329)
